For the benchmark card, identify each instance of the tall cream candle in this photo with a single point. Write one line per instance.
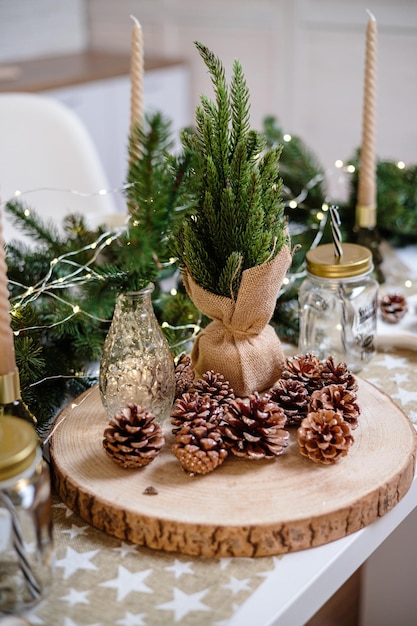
(366, 204)
(7, 356)
(136, 75)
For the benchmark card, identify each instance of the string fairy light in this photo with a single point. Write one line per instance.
(195, 328)
(296, 200)
(75, 192)
(81, 273)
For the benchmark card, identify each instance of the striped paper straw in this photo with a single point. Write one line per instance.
(19, 546)
(337, 235)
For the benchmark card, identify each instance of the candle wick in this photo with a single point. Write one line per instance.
(135, 19)
(371, 15)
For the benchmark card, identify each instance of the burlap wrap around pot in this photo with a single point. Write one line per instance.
(239, 343)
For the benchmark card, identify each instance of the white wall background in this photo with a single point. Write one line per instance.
(38, 28)
(303, 59)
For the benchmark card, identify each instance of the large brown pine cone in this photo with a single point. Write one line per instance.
(133, 438)
(253, 427)
(393, 307)
(306, 368)
(337, 398)
(184, 375)
(193, 407)
(337, 374)
(324, 436)
(214, 385)
(199, 447)
(292, 396)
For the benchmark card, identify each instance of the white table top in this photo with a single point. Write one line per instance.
(303, 581)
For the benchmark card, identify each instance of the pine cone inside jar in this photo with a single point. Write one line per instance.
(324, 436)
(193, 407)
(253, 427)
(184, 375)
(393, 307)
(337, 398)
(133, 438)
(214, 385)
(292, 396)
(337, 374)
(199, 447)
(306, 368)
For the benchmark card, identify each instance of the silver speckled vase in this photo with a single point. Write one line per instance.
(136, 363)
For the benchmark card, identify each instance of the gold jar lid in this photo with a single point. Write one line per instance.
(18, 446)
(323, 262)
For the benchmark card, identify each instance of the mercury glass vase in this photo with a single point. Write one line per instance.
(136, 364)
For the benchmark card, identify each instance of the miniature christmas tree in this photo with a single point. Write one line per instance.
(234, 247)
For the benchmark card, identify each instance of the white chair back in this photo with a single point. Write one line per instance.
(47, 154)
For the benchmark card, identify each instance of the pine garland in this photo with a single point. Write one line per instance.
(237, 221)
(396, 200)
(51, 355)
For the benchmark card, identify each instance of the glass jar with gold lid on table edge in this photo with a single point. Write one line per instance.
(26, 543)
(338, 305)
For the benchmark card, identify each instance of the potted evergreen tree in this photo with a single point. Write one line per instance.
(234, 247)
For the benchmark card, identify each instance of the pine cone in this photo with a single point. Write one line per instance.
(199, 447)
(293, 398)
(184, 375)
(253, 427)
(215, 386)
(304, 368)
(393, 307)
(133, 438)
(324, 436)
(337, 398)
(332, 374)
(192, 407)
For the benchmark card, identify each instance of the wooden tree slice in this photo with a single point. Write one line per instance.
(243, 508)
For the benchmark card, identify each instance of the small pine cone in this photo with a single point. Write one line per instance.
(192, 407)
(324, 436)
(337, 398)
(184, 375)
(293, 398)
(304, 368)
(133, 438)
(215, 386)
(253, 427)
(199, 447)
(332, 374)
(393, 307)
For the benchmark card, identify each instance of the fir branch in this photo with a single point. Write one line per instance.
(239, 96)
(396, 200)
(229, 277)
(31, 224)
(234, 204)
(220, 114)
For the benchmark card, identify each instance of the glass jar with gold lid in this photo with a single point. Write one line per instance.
(26, 547)
(338, 305)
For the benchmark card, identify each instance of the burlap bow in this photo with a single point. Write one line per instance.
(239, 343)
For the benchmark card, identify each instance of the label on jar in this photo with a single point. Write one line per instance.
(364, 326)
